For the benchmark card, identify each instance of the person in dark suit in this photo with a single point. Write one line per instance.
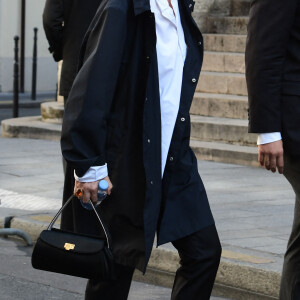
(127, 120)
(65, 24)
(273, 79)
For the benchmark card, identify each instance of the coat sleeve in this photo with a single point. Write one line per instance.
(53, 25)
(84, 124)
(269, 29)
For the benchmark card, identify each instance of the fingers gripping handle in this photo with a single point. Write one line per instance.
(97, 215)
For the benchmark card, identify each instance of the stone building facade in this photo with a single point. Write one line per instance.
(10, 19)
(219, 125)
(10, 26)
(10, 15)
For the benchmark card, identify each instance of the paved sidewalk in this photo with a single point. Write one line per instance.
(253, 208)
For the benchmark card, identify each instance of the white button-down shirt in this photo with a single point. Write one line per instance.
(171, 52)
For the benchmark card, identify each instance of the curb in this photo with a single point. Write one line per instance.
(31, 127)
(234, 280)
(24, 103)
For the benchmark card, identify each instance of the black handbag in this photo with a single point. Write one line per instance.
(74, 254)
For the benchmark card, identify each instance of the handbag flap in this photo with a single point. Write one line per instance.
(68, 241)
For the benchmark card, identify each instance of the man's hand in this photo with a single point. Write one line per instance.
(90, 189)
(271, 156)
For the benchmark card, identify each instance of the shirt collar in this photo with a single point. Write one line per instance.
(141, 6)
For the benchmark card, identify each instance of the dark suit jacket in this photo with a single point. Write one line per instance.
(65, 24)
(273, 70)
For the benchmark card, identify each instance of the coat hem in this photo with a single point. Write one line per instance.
(187, 233)
(130, 263)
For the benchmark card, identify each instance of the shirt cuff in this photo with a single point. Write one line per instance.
(93, 174)
(266, 138)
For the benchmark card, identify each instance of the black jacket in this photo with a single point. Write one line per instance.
(65, 23)
(113, 112)
(273, 70)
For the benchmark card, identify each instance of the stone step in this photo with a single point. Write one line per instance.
(225, 153)
(222, 83)
(52, 112)
(224, 42)
(30, 127)
(213, 129)
(219, 7)
(224, 62)
(34, 127)
(205, 104)
(227, 25)
(229, 7)
(240, 7)
(220, 105)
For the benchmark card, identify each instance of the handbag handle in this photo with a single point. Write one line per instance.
(97, 215)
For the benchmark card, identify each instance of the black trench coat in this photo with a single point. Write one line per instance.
(113, 116)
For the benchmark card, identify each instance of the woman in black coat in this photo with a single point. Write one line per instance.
(113, 116)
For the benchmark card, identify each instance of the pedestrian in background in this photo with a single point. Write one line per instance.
(127, 120)
(65, 24)
(273, 79)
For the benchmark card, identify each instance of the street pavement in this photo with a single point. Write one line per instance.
(19, 281)
(31, 181)
(253, 210)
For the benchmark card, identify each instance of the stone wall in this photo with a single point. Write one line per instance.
(205, 8)
(47, 68)
(10, 12)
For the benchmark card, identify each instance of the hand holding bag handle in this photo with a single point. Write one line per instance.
(107, 235)
(74, 254)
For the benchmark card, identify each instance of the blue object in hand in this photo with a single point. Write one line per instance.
(101, 195)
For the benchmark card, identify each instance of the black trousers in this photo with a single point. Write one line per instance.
(290, 282)
(199, 259)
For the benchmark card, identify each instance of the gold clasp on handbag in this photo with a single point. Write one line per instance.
(68, 246)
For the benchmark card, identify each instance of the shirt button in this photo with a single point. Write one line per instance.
(190, 5)
(182, 119)
(149, 141)
(171, 158)
(199, 43)
(194, 80)
(151, 182)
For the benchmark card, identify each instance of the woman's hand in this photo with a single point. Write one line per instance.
(88, 190)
